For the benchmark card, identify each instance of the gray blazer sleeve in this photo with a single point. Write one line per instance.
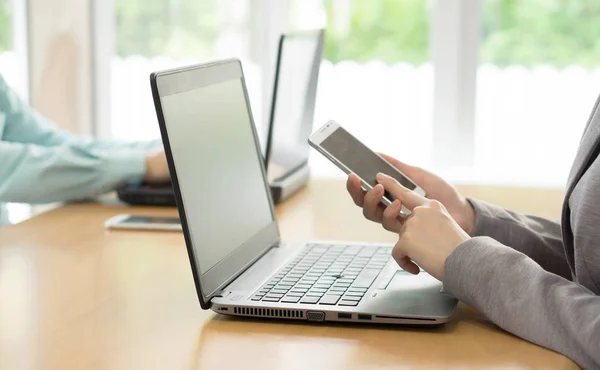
(538, 238)
(523, 298)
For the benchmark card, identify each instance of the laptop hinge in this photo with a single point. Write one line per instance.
(222, 291)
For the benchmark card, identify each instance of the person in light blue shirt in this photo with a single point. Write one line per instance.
(39, 163)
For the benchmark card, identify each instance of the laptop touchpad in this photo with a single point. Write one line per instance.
(406, 281)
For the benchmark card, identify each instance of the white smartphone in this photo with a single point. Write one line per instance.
(137, 222)
(352, 156)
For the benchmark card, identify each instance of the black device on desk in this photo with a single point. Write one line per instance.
(147, 194)
(290, 124)
(292, 111)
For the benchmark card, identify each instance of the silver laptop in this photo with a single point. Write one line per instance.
(239, 262)
(292, 111)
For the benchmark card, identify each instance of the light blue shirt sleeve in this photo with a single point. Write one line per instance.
(40, 163)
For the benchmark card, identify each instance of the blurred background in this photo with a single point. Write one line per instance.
(480, 91)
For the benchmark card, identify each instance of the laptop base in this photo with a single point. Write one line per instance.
(283, 188)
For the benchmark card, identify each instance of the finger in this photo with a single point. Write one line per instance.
(415, 173)
(391, 221)
(404, 261)
(355, 190)
(371, 207)
(409, 199)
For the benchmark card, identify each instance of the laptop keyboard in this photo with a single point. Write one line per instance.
(326, 275)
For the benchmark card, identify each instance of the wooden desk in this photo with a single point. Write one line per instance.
(75, 296)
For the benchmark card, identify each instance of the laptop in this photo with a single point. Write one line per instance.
(239, 263)
(291, 119)
(292, 111)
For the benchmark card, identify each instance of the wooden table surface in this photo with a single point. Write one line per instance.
(76, 296)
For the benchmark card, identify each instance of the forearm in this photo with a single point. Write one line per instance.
(25, 125)
(521, 297)
(34, 174)
(536, 237)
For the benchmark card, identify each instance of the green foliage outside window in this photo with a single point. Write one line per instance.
(175, 28)
(525, 32)
(5, 25)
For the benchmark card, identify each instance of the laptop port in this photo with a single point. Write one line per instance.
(343, 315)
(315, 316)
(362, 316)
(224, 309)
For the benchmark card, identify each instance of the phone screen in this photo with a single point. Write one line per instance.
(361, 160)
(151, 220)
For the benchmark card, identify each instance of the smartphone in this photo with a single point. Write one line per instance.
(137, 222)
(352, 156)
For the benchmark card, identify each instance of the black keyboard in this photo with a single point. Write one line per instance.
(326, 275)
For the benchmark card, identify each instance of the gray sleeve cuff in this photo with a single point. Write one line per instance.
(469, 270)
(489, 220)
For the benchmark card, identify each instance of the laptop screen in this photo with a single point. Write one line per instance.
(293, 102)
(218, 167)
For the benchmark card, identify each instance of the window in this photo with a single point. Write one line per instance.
(376, 79)
(481, 91)
(13, 67)
(538, 78)
(160, 34)
(12, 57)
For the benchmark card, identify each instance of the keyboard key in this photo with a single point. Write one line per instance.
(352, 249)
(278, 291)
(357, 289)
(290, 299)
(352, 298)
(366, 278)
(326, 280)
(270, 299)
(263, 291)
(355, 294)
(274, 295)
(322, 290)
(315, 294)
(343, 285)
(310, 299)
(256, 297)
(301, 290)
(345, 302)
(330, 299)
(294, 294)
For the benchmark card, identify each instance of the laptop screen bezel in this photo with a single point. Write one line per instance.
(179, 80)
(310, 99)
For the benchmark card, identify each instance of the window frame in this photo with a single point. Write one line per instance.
(454, 48)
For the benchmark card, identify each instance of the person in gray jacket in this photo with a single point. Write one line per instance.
(533, 277)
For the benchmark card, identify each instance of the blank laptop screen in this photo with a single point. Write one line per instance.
(293, 104)
(218, 168)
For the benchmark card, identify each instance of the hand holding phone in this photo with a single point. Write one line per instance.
(352, 156)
